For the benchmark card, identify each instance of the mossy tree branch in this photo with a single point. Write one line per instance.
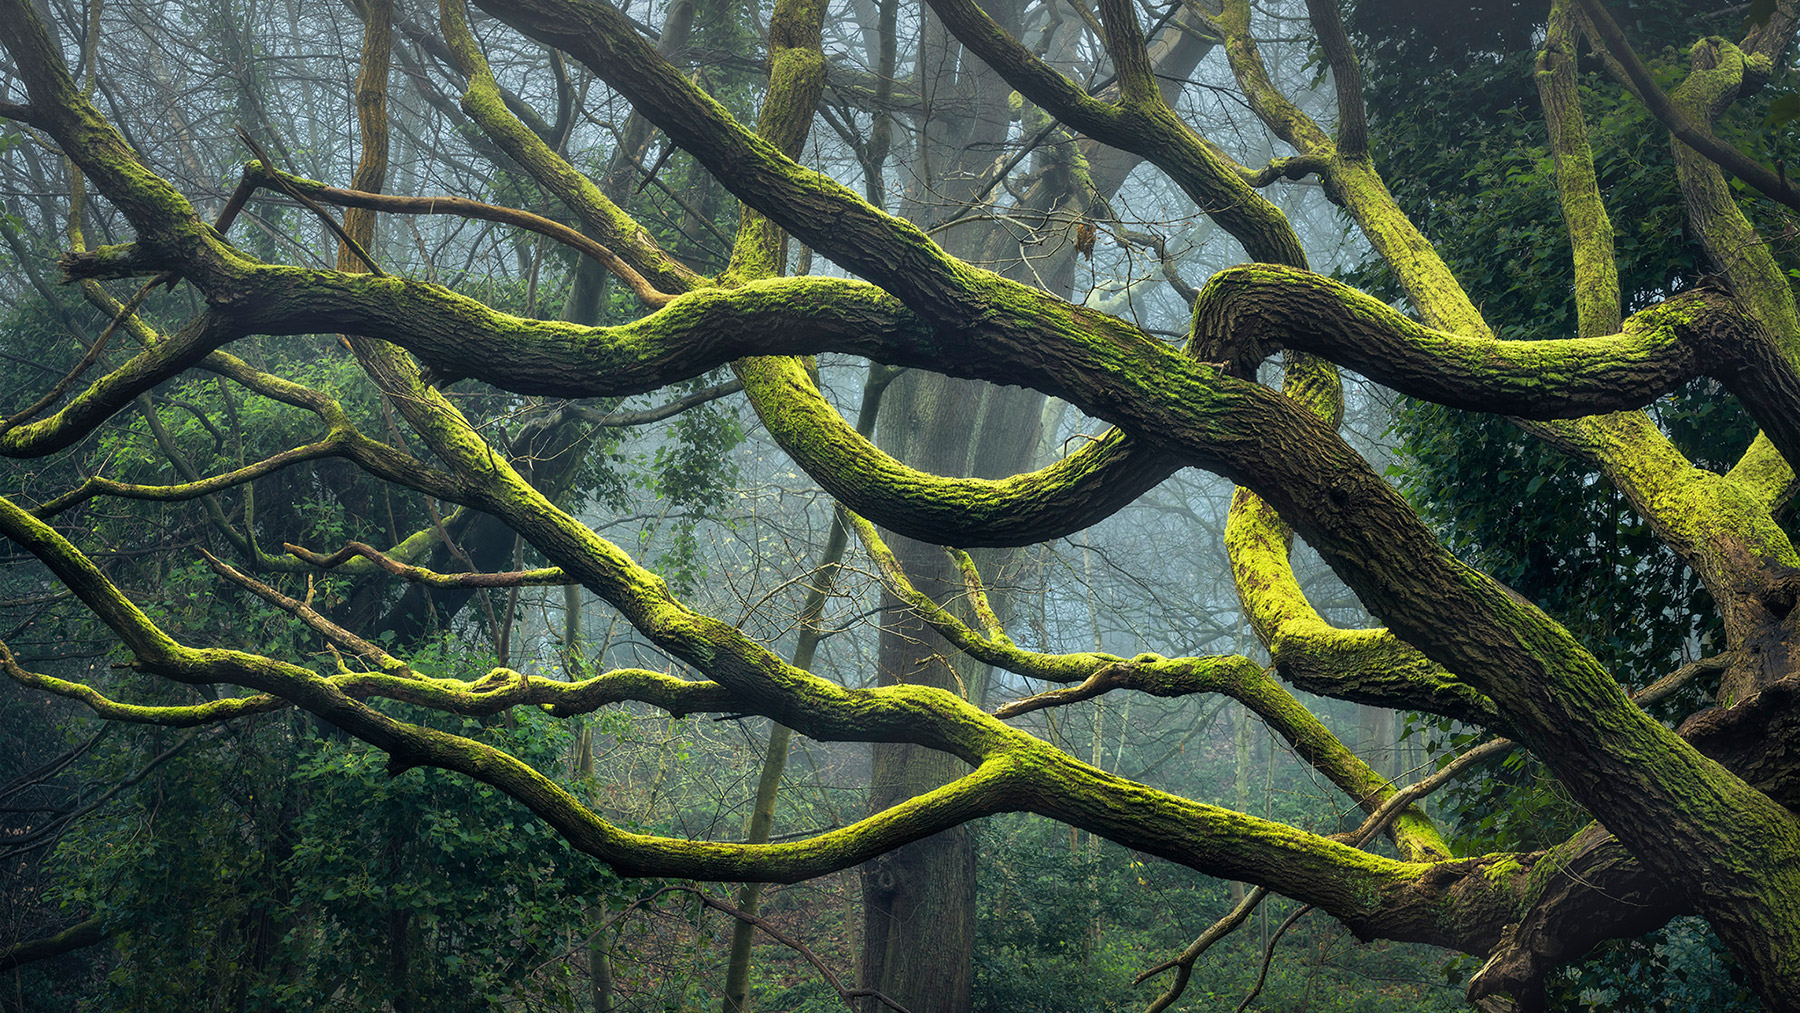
(1727, 846)
(1013, 770)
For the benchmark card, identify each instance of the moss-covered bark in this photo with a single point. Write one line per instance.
(1704, 817)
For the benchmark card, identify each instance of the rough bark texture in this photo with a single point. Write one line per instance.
(1704, 816)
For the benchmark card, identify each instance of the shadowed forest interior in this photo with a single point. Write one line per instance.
(1045, 506)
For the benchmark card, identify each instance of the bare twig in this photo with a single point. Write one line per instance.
(299, 188)
(271, 173)
(660, 412)
(1269, 955)
(307, 614)
(49, 832)
(1184, 964)
(547, 576)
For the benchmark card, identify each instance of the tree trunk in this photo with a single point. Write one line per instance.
(919, 901)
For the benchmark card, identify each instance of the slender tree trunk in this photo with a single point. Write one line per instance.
(1245, 749)
(762, 813)
(919, 901)
(599, 946)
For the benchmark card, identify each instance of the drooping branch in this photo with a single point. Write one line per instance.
(168, 716)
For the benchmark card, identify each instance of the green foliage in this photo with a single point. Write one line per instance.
(693, 474)
(480, 891)
(1479, 180)
(276, 869)
(1065, 926)
(1682, 966)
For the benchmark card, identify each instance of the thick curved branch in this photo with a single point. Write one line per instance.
(1245, 312)
(1249, 309)
(162, 216)
(1718, 75)
(1195, 409)
(98, 345)
(1563, 703)
(1657, 350)
(1368, 666)
(1084, 488)
(108, 394)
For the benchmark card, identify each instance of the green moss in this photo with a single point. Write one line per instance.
(1502, 869)
(1440, 298)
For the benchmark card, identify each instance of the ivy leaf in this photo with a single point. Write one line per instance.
(1783, 110)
